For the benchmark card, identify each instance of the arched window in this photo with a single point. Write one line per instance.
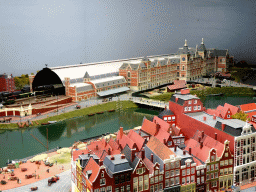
(183, 68)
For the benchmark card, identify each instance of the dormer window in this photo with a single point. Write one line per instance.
(189, 102)
(186, 108)
(212, 158)
(195, 101)
(165, 118)
(173, 118)
(169, 118)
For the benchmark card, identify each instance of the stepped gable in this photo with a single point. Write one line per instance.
(136, 138)
(248, 107)
(163, 124)
(149, 127)
(160, 149)
(232, 108)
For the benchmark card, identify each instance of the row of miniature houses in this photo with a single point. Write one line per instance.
(153, 158)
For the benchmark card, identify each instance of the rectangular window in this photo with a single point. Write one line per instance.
(192, 170)
(192, 178)
(122, 179)
(116, 180)
(189, 102)
(128, 188)
(167, 166)
(195, 101)
(183, 172)
(156, 187)
(160, 178)
(177, 172)
(156, 179)
(128, 177)
(221, 171)
(230, 161)
(189, 108)
(146, 185)
(160, 186)
(188, 179)
(230, 170)
(122, 188)
(198, 173)
(169, 118)
(208, 167)
(186, 108)
(188, 171)
(226, 162)
(109, 188)
(96, 190)
(195, 108)
(165, 118)
(198, 180)
(183, 180)
(102, 189)
(177, 180)
(199, 107)
(202, 179)
(166, 182)
(141, 183)
(221, 163)
(216, 175)
(102, 182)
(173, 118)
(135, 184)
(216, 166)
(172, 173)
(152, 180)
(152, 188)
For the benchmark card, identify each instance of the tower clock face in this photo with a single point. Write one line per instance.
(183, 59)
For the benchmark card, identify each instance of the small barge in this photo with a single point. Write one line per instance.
(100, 112)
(112, 110)
(91, 114)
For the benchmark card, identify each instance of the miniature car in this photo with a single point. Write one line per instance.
(53, 180)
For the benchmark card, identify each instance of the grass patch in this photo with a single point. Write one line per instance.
(162, 97)
(61, 158)
(79, 112)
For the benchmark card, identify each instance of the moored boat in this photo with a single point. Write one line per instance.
(112, 110)
(91, 114)
(100, 112)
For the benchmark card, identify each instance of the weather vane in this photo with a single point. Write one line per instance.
(46, 65)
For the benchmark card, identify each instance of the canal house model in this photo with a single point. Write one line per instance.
(201, 152)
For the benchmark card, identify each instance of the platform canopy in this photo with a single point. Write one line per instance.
(113, 91)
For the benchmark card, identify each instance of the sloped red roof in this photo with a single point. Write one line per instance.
(233, 108)
(93, 167)
(210, 142)
(184, 91)
(161, 150)
(213, 112)
(149, 165)
(181, 82)
(222, 110)
(251, 114)
(113, 144)
(178, 84)
(161, 135)
(163, 124)
(149, 127)
(126, 141)
(135, 137)
(176, 131)
(75, 154)
(248, 107)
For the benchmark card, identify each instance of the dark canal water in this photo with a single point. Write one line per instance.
(20, 144)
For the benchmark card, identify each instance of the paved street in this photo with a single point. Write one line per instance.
(63, 185)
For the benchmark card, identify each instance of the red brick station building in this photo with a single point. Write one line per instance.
(83, 81)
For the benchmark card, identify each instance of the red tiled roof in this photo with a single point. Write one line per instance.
(248, 107)
(161, 135)
(222, 110)
(161, 150)
(233, 108)
(75, 154)
(175, 131)
(135, 137)
(149, 165)
(212, 112)
(251, 114)
(149, 127)
(94, 167)
(127, 141)
(184, 91)
(178, 84)
(163, 124)
(210, 142)
(113, 144)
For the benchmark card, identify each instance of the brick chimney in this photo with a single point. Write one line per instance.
(184, 152)
(133, 154)
(121, 132)
(97, 147)
(112, 158)
(152, 158)
(204, 118)
(199, 139)
(189, 151)
(109, 151)
(223, 126)
(157, 128)
(100, 162)
(122, 156)
(202, 134)
(175, 148)
(164, 141)
(201, 145)
(216, 136)
(142, 154)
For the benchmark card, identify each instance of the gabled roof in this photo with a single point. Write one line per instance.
(222, 110)
(233, 108)
(248, 107)
(86, 75)
(162, 135)
(160, 149)
(213, 112)
(149, 127)
(178, 84)
(93, 168)
(124, 140)
(163, 124)
(113, 144)
(175, 131)
(136, 138)
(210, 142)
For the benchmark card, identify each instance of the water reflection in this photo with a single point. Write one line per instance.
(55, 131)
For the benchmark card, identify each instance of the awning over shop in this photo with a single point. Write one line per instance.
(113, 91)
